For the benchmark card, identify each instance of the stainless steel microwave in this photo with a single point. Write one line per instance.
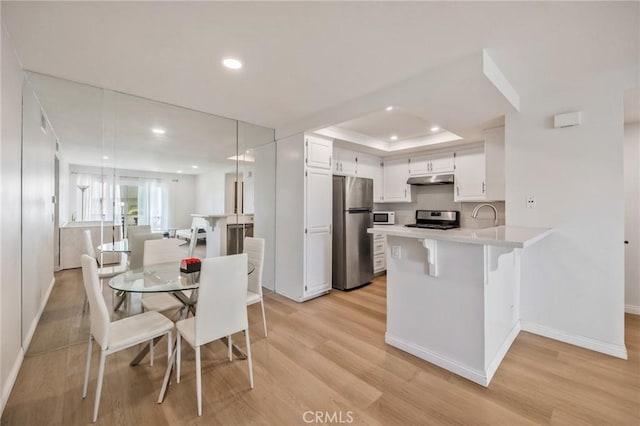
(384, 218)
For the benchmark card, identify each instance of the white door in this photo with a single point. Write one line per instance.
(470, 175)
(441, 163)
(395, 176)
(319, 152)
(318, 219)
(348, 163)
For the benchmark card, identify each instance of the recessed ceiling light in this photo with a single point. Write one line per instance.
(232, 63)
(435, 128)
(389, 108)
(179, 171)
(394, 138)
(104, 157)
(194, 167)
(158, 131)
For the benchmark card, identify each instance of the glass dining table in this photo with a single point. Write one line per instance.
(165, 278)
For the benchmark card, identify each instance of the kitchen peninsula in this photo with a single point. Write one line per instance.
(453, 296)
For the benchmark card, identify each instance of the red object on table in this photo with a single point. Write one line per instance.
(190, 265)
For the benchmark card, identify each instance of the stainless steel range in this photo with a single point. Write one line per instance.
(436, 219)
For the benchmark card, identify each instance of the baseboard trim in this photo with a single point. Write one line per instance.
(11, 379)
(36, 320)
(502, 352)
(618, 351)
(632, 309)
(467, 372)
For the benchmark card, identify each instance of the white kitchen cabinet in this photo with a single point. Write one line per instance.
(479, 172)
(395, 174)
(371, 167)
(318, 152)
(379, 253)
(304, 195)
(431, 164)
(345, 162)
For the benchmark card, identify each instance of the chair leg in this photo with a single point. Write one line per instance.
(248, 343)
(264, 318)
(151, 354)
(178, 356)
(103, 356)
(88, 368)
(169, 342)
(230, 348)
(199, 380)
(85, 305)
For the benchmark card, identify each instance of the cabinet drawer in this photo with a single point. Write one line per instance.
(378, 237)
(378, 247)
(379, 263)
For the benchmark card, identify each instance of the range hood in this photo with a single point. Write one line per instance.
(442, 179)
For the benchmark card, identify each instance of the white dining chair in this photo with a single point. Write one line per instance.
(118, 335)
(136, 243)
(104, 272)
(133, 230)
(222, 311)
(162, 251)
(254, 247)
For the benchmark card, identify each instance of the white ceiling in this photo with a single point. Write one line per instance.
(91, 123)
(304, 59)
(383, 124)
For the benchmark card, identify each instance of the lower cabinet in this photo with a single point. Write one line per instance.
(379, 259)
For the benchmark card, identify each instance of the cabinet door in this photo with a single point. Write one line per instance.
(349, 163)
(395, 175)
(441, 163)
(318, 219)
(470, 175)
(319, 152)
(419, 166)
(371, 167)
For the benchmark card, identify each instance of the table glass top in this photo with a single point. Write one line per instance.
(163, 277)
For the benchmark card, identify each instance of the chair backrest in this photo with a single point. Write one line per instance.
(88, 244)
(222, 298)
(137, 229)
(137, 248)
(160, 251)
(97, 306)
(254, 247)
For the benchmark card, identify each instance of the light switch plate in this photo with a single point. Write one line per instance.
(395, 252)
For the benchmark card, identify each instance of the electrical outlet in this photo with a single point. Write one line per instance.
(395, 252)
(531, 202)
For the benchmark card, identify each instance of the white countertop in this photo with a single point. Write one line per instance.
(502, 236)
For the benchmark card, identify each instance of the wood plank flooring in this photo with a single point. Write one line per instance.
(324, 355)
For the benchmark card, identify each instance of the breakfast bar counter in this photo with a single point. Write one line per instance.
(453, 296)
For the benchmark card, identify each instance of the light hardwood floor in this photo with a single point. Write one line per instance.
(324, 355)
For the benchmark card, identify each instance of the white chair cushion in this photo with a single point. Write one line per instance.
(161, 302)
(187, 328)
(252, 297)
(136, 329)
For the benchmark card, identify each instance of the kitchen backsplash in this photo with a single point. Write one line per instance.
(440, 197)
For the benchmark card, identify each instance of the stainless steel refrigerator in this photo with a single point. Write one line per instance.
(352, 246)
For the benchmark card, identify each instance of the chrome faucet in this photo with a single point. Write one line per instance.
(474, 214)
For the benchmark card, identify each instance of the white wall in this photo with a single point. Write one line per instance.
(572, 281)
(11, 251)
(632, 217)
(210, 189)
(38, 153)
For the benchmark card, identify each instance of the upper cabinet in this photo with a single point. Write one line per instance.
(345, 162)
(371, 167)
(319, 152)
(479, 172)
(395, 175)
(431, 164)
